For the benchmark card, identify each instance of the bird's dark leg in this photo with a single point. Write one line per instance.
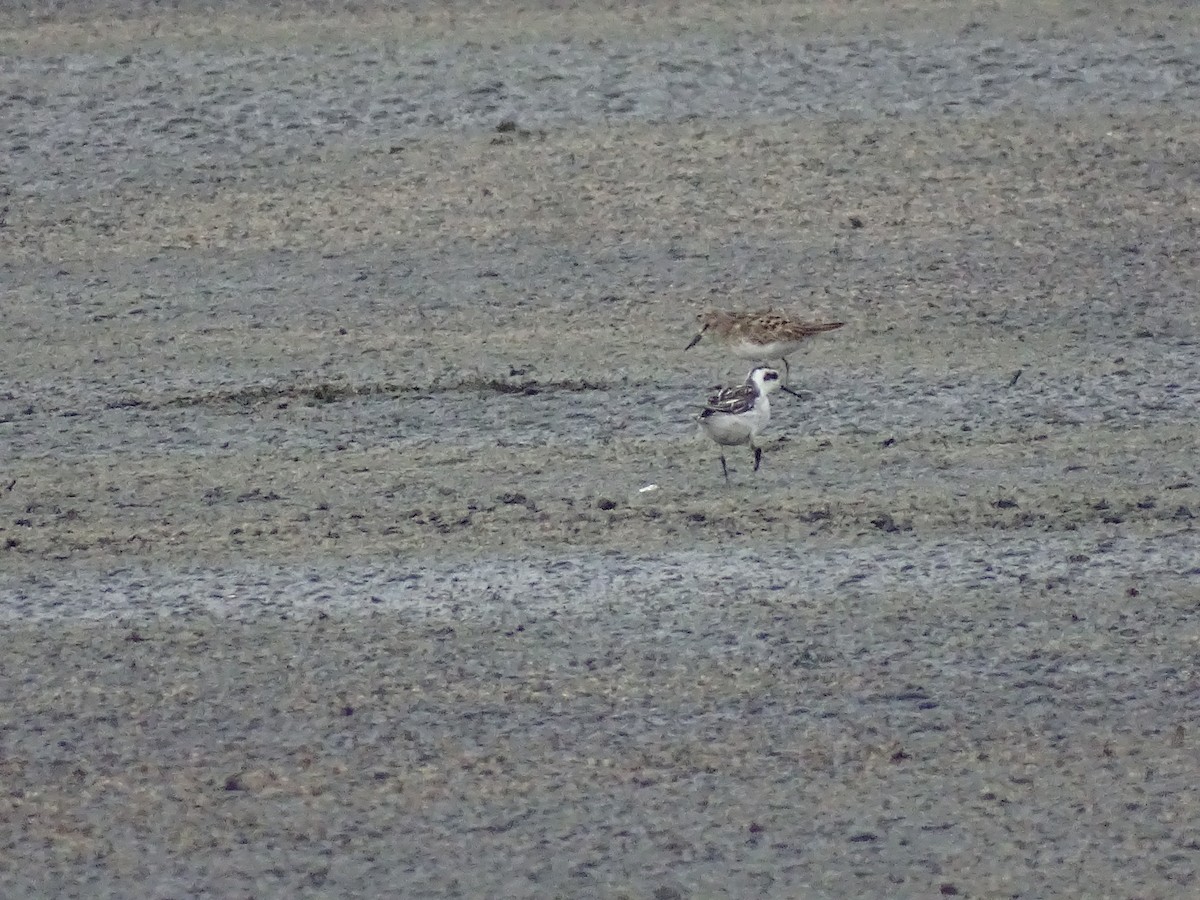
(757, 457)
(724, 468)
(787, 380)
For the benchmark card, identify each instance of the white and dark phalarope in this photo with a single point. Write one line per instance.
(736, 415)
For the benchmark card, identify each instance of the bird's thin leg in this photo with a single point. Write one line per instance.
(787, 380)
(724, 468)
(757, 457)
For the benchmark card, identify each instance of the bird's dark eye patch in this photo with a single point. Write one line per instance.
(771, 376)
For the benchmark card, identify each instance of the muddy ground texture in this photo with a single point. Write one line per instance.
(356, 538)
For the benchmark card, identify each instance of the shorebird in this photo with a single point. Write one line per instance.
(760, 335)
(735, 415)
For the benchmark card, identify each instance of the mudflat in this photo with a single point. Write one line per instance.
(357, 535)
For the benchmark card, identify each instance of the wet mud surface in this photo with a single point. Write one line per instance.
(356, 532)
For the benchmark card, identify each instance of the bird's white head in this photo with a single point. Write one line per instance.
(764, 378)
(767, 380)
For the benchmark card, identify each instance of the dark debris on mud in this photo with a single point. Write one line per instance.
(333, 392)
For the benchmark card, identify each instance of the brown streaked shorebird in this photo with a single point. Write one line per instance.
(764, 334)
(735, 415)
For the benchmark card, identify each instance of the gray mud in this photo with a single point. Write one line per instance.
(357, 539)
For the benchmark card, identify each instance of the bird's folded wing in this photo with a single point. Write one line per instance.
(732, 400)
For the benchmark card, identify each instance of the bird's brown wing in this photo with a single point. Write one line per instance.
(767, 324)
(798, 330)
(732, 400)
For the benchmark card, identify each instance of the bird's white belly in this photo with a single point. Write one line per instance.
(740, 429)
